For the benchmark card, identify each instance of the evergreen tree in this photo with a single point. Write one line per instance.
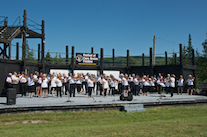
(30, 55)
(48, 57)
(201, 64)
(56, 60)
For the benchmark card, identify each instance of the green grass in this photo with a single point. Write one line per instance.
(165, 121)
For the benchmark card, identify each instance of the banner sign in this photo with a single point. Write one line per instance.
(86, 59)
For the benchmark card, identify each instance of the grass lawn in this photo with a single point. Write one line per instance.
(165, 121)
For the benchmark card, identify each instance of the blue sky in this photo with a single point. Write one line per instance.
(119, 24)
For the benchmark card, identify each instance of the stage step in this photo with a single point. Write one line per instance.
(133, 108)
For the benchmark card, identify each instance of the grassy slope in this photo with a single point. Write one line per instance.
(168, 121)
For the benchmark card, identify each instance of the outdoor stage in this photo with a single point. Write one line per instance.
(83, 103)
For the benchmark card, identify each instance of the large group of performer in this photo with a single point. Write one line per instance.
(102, 85)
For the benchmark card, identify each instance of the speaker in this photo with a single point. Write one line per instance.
(11, 96)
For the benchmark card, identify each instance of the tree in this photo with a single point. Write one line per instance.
(201, 64)
(48, 58)
(30, 55)
(187, 52)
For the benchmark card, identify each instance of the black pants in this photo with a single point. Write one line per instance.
(59, 91)
(112, 90)
(172, 91)
(145, 89)
(132, 87)
(120, 88)
(72, 90)
(78, 87)
(159, 88)
(66, 88)
(105, 92)
(97, 87)
(101, 89)
(89, 91)
(23, 87)
(136, 90)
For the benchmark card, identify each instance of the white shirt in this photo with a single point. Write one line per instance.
(124, 81)
(14, 79)
(190, 81)
(180, 82)
(8, 80)
(59, 83)
(30, 82)
(172, 82)
(136, 82)
(53, 84)
(90, 83)
(105, 84)
(145, 82)
(23, 80)
(44, 83)
(112, 83)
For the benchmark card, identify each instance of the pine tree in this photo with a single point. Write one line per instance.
(48, 58)
(30, 55)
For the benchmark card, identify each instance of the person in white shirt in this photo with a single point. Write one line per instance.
(15, 81)
(9, 81)
(78, 83)
(44, 85)
(105, 85)
(59, 85)
(146, 84)
(180, 85)
(190, 81)
(112, 85)
(125, 83)
(90, 85)
(72, 82)
(167, 84)
(172, 84)
(53, 84)
(23, 84)
(30, 84)
(136, 83)
(39, 82)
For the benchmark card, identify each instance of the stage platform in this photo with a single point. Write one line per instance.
(83, 103)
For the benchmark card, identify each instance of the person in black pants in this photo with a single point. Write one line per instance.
(23, 84)
(72, 86)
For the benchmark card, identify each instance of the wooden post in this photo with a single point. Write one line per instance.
(175, 59)
(142, 59)
(181, 55)
(24, 37)
(128, 63)
(66, 59)
(72, 60)
(91, 50)
(9, 44)
(101, 62)
(39, 53)
(17, 51)
(150, 56)
(165, 57)
(151, 66)
(193, 57)
(113, 57)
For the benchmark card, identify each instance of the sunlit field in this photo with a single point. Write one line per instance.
(163, 121)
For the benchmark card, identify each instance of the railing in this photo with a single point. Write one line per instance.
(33, 25)
(2, 21)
